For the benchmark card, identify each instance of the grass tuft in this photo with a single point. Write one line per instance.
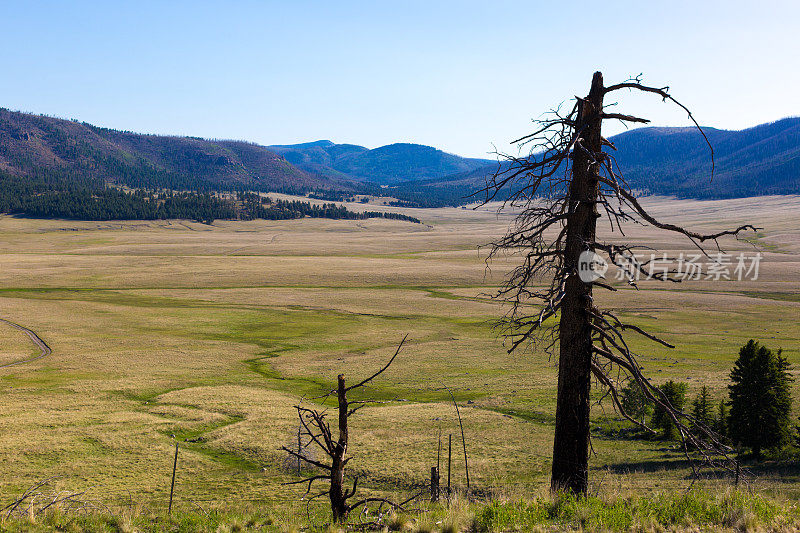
(663, 511)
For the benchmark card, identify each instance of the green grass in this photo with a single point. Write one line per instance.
(694, 510)
(672, 511)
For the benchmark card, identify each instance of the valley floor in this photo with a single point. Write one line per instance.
(211, 334)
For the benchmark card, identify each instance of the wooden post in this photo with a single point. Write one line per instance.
(174, 470)
(449, 460)
(299, 451)
(464, 444)
(434, 484)
(439, 452)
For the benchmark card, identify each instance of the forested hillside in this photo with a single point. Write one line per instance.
(91, 200)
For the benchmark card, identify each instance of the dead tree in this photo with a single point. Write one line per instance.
(43, 497)
(318, 431)
(562, 187)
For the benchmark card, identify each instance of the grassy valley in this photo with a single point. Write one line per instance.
(169, 331)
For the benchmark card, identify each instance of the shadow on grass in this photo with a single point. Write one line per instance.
(776, 471)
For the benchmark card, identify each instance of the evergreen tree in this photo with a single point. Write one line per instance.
(635, 403)
(721, 421)
(675, 394)
(702, 409)
(760, 399)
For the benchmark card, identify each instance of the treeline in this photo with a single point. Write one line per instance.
(52, 196)
(431, 195)
(420, 194)
(254, 206)
(754, 415)
(88, 200)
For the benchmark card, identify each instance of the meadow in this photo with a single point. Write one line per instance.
(210, 334)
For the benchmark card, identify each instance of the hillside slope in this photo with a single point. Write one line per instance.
(35, 145)
(756, 161)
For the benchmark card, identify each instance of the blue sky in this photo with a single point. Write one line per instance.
(461, 76)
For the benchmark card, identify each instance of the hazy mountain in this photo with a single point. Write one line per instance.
(318, 157)
(756, 161)
(386, 165)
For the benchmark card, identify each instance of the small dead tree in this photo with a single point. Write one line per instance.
(562, 187)
(316, 428)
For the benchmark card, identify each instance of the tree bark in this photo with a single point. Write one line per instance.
(337, 492)
(571, 444)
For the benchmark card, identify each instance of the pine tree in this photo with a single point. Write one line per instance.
(760, 399)
(675, 394)
(701, 407)
(721, 422)
(635, 402)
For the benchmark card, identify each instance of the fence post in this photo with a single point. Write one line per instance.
(434, 484)
(174, 469)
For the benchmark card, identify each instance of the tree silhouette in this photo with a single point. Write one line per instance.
(561, 187)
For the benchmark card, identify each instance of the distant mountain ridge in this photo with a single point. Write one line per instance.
(35, 144)
(386, 165)
(673, 161)
(756, 161)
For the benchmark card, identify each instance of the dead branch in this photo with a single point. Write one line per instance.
(41, 497)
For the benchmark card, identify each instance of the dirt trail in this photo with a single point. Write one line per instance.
(45, 349)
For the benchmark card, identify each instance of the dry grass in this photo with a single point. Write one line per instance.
(14, 346)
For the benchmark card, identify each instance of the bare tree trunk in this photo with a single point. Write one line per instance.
(556, 225)
(571, 443)
(337, 491)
